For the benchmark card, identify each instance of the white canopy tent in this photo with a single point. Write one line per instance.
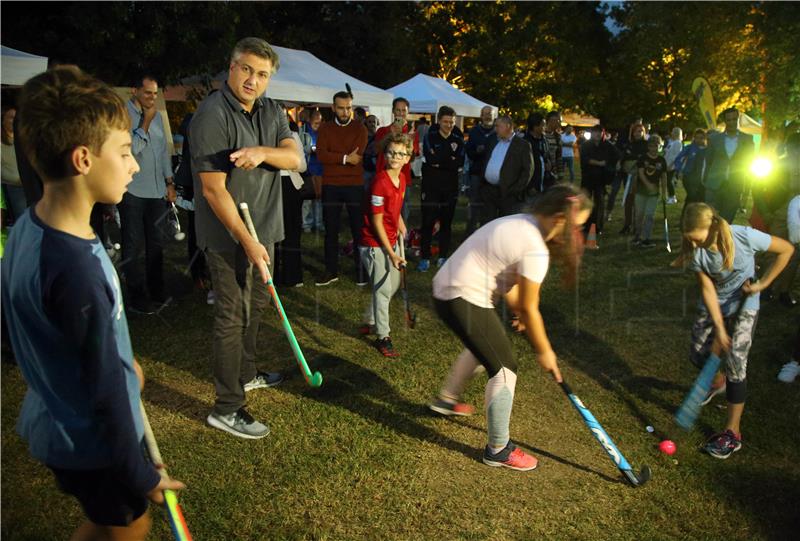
(427, 94)
(304, 78)
(19, 66)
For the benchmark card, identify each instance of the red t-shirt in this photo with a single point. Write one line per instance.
(383, 198)
(380, 164)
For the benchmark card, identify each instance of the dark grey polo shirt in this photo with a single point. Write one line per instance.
(220, 127)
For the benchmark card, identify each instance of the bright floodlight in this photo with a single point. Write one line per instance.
(761, 167)
(587, 135)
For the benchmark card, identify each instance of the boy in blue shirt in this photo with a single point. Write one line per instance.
(62, 301)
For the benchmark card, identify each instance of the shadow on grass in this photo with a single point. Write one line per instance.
(758, 492)
(363, 392)
(175, 401)
(598, 360)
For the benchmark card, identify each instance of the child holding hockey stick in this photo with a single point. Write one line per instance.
(723, 257)
(510, 257)
(379, 248)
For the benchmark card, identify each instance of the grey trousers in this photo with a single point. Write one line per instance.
(645, 213)
(385, 280)
(240, 299)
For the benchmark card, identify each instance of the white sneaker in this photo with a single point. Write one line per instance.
(263, 379)
(672, 200)
(239, 423)
(789, 372)
(210, 298)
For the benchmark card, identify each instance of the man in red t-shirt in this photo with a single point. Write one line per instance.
(383, 224)
(400, 107)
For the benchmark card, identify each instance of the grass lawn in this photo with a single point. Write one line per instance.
(362, 457)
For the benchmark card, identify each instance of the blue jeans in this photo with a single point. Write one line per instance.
(568, 163)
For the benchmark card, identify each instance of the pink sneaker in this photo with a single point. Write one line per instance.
(511, 457)
(451, 408)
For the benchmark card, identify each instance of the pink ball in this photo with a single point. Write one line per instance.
(667, 447)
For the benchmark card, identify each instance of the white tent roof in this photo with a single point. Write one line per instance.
(304, 78)
(427, 94)
(747, 124)
(19, 66)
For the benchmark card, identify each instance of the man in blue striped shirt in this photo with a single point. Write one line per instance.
(143, 209)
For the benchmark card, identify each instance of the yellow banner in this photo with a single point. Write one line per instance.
(705, 100)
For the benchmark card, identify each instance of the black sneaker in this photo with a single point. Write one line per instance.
(647, 243)
(385, 347)
(327, 278)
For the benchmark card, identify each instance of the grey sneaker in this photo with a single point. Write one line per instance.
(239, 423)
(263, 379)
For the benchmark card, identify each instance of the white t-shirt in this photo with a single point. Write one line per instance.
(569, 140)
(489, 263)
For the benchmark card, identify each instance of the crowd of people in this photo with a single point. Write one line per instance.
(87, 147)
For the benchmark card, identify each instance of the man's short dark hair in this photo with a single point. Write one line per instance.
(259, 48)
(139, 81)
(342, 95)
(534, 119)
(360, 111)
(399, 100)
(553, 114)
(445, 110)
(730, 110)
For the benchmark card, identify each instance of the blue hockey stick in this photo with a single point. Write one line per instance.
(600, 435)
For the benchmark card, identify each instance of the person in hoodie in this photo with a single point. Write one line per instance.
(443, 148)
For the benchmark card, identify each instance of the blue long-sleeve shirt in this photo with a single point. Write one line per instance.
(62, 302)
(152, 153)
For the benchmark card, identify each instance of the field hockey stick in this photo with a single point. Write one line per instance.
(174, 512)
(315, 379)
(666, 225)
(411, 317)
(687, 414)
(602, 436)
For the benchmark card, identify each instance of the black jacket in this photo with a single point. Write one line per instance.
(443, 158)
(517, 168)
(477, 148)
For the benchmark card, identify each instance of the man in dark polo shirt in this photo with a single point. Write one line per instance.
(239, 143)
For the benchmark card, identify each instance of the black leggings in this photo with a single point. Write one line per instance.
(481, 331)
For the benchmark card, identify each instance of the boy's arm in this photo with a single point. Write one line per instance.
(79, 304)
(380, 232)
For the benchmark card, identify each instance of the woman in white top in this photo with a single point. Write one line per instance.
(509, 257)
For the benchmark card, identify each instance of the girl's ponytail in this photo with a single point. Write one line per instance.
(724, 240)
(567, 249)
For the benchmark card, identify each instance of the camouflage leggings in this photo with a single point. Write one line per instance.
(740, 329)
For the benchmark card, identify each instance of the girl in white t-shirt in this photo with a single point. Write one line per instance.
(509, 257)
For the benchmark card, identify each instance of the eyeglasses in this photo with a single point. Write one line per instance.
(249, 71)
(393, 154)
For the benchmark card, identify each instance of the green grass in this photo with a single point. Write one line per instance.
(361, 457)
